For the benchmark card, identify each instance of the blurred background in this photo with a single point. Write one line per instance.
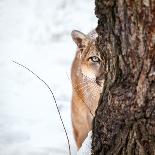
(36, 33)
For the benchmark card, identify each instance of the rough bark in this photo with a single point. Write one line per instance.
(125, 118)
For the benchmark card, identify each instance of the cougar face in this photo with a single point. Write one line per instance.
(87, 83)
(90, 62)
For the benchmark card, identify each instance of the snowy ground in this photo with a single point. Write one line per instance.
(36, 33)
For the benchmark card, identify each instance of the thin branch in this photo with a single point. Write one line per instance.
(69, 148)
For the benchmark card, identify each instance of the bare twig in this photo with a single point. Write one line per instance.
(81, 98)
(69, 148)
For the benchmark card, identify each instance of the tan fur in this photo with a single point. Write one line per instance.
(87, 84)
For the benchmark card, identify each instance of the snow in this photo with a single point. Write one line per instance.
(86, 146)
(37, 34)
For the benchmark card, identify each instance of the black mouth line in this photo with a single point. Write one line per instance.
(99, 83)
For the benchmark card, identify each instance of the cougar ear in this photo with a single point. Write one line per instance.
(79, 38)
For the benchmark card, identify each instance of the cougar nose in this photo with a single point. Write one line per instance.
(100, 79)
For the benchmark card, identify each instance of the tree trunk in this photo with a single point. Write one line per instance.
(125, 118)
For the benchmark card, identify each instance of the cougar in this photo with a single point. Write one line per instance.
(87, 82)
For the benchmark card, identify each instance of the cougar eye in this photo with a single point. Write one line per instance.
(94, 59)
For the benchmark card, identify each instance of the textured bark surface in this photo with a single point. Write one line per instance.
(125, 119)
